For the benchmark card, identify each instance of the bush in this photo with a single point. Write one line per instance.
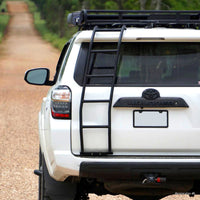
(4, 19)
(41, 26)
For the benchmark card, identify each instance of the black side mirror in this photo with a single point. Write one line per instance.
(39, 76)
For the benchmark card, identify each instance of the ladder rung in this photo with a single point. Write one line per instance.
(99, 75)
(104, 51)
(97, 101)
(108, 29)
(95, 126)
(104, 67)
(96, 153)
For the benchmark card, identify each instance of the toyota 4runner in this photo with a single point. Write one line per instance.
(123, 113)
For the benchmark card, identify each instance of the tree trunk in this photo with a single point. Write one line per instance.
(61, 14)
(120, 4)
(158, 4)
(86, 4)
(143, 4)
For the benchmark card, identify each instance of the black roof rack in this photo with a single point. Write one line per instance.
(87, 19)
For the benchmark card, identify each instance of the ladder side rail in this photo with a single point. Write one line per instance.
(112, 87)
(84, 87)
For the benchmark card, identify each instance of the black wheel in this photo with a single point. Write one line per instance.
(49, 189)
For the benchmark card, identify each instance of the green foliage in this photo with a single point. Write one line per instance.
(131, 5)
(53, 38)
(111, 5)
(41, 26)
(51, 15)
(4, 19)
(54, 13)
(31, 5)
(182, 4)
(1, 2)
(3, 6)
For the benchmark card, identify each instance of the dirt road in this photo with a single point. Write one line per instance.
(22, 49)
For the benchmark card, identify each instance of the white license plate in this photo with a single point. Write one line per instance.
(150, 119)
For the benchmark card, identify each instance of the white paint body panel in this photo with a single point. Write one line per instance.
(60, 139)
(182, 137)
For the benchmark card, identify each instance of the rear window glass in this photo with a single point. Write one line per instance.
(143, 64)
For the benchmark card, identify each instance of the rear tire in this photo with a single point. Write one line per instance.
(49, 189)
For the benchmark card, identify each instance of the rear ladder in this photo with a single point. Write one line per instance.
(87, 77)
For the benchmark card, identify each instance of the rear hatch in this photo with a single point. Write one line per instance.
(155, 106)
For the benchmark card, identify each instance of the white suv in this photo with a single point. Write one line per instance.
(123, 113)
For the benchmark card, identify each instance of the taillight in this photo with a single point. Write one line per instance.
(61, 103)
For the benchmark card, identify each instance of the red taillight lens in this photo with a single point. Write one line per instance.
(59, 115)
(61, 103)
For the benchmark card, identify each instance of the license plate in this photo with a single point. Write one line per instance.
(150, 118)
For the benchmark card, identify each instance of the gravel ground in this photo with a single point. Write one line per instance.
(22, 49)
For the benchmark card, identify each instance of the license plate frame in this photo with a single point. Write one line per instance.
(150, 119)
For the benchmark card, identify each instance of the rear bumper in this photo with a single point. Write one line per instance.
(136, 170)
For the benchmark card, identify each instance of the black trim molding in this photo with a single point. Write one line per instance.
(135, 170)
(151, 99)
(161, 102)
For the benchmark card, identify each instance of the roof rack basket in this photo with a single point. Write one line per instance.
(88, 19)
